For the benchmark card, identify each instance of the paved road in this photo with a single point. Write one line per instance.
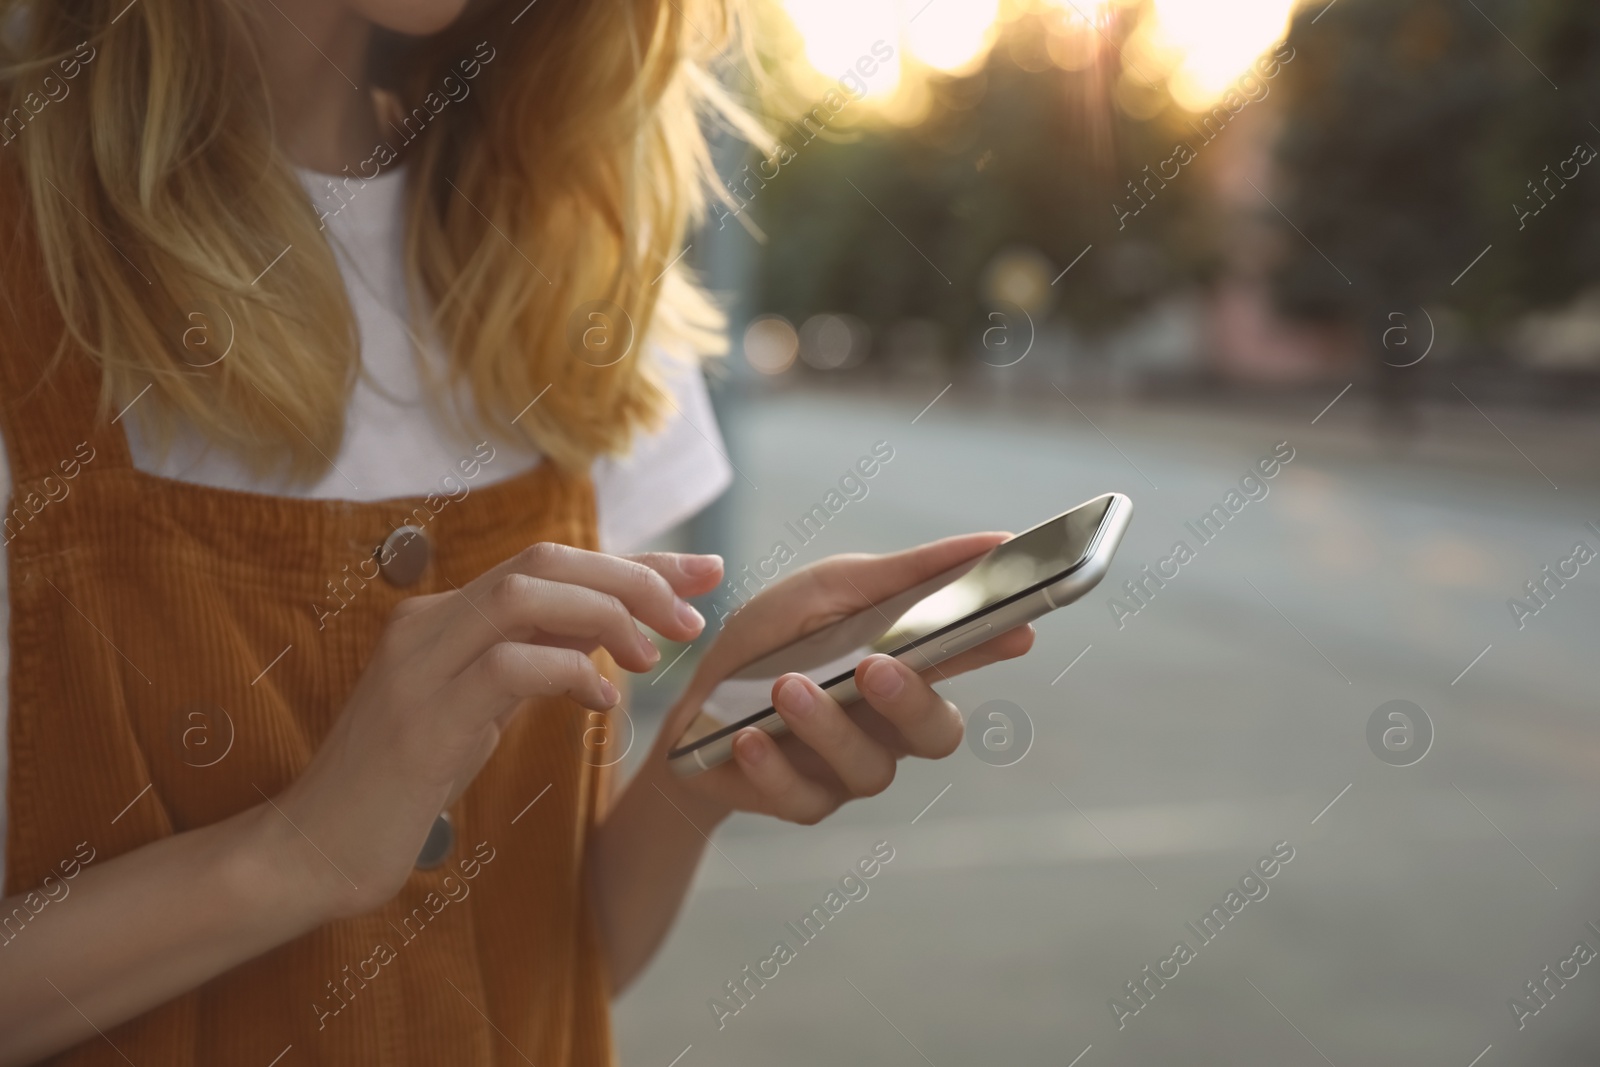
(1179, 750)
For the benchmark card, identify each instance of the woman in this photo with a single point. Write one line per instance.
(314, 440)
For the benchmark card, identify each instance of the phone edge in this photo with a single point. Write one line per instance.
(1018, 613)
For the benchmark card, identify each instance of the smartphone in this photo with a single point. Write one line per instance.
(1017, 581)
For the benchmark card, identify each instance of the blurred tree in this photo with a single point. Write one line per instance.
(1020, 153)
(1414, 134)
(1557, 255)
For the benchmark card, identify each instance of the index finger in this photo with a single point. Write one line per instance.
(640, 584)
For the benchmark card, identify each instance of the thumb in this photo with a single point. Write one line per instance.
(859, 581)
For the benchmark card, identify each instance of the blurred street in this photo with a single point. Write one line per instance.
(1228, 715)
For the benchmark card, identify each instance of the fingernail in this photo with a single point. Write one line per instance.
(651, 652)
(884, 679)
(689, 617)
(700, 566)
(753, 750)
(609, 692)
(795, 697)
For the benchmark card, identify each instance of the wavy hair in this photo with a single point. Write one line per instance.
(164, 208)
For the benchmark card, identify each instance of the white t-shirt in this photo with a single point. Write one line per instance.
(394, 444)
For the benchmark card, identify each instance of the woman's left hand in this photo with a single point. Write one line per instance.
(831, 754)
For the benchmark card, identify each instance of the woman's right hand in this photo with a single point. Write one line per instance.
(448, 672)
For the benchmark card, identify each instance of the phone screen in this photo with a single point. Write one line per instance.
(1015, 568)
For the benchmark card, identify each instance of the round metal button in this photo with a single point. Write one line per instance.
(404, 556)
(441, 839)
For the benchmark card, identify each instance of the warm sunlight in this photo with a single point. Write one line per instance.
(1199, 48)
(1206, 47)
(837, 33)
(949, 35)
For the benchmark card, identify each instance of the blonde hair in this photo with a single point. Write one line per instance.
(568, 175)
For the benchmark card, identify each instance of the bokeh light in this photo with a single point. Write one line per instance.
(838, 33)
(952, 35)
(833, 342)
(1193, 49)
(1020, 276)
(771, 344)
(1206, 50)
